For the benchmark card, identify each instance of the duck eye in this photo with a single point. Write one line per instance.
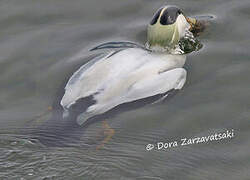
(155, 17)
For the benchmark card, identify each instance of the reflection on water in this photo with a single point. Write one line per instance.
(43, 43)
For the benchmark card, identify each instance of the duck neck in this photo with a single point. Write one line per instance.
(159, 48)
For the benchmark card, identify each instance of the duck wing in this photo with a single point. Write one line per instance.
(155, 85)
(111, 80)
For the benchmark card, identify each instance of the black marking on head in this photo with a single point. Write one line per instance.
(170, 15)
(155, 17)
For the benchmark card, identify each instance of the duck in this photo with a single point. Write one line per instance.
(129, 72)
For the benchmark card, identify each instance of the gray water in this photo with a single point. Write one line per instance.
(43, 42)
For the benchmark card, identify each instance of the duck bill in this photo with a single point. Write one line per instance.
(192, 22)
(197, 26)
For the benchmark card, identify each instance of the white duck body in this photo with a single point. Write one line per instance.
(123, 76)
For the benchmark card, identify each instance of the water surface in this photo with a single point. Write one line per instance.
(43, 42)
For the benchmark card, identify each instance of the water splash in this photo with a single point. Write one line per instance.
(189, 43)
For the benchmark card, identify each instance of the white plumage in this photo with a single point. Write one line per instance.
(126, 76)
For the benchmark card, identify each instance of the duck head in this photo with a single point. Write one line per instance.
(167, 27)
